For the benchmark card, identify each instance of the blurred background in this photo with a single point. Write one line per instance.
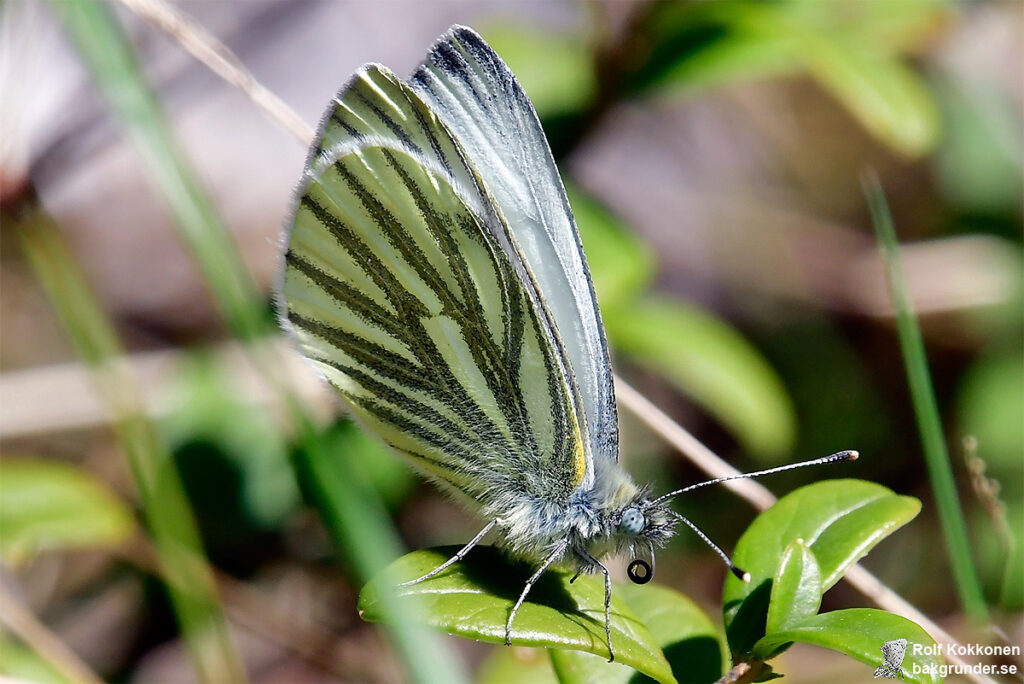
(713, 152)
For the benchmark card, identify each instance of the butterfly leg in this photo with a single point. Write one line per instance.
(457, 557)
(607, 600)
(555, 555)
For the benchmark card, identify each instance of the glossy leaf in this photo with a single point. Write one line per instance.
(46, 505)
(712, 363)
(839, 520)
(685, 634)
(860, 633)
(796, 588)
(473, 598)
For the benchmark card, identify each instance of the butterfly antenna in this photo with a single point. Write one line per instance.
(740, 574)
(839, 457)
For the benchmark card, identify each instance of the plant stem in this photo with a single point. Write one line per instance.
(48, 645)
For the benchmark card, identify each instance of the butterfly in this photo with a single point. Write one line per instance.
(434, 275)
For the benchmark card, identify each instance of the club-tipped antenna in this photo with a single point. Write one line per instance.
(740, 574)
(838, 457)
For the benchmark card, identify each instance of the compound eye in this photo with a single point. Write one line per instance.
(632, 521)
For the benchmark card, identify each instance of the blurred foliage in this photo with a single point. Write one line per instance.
(978, 163)
(51, 506)
(926, 410)
(698, 352)
(168, 515)
(208, 424)
(990, 405)
(853, 49)
(22, 663)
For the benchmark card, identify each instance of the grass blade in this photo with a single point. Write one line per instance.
(366, 542)
(168, 515)
(936, 454)
(102, 44)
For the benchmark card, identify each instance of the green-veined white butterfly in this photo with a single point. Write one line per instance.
(435, 277)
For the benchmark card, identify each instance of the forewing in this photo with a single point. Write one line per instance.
(480, 101)
(401, 294)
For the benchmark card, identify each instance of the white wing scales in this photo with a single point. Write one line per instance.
(482, 104)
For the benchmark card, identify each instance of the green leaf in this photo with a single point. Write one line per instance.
(45, 505)
(473, 598)
(685, 634)
(860, 633)
(712, 363)
(840, 520)
(796, 588)
(621, 265)
(852, 48)
(890, 100)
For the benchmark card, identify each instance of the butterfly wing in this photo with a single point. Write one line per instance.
(403, 288)
(480, 101)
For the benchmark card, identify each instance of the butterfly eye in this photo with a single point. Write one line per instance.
(632, 521)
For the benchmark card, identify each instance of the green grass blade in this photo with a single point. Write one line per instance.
(366, 542)
(936, 454)
(103, 46)
(168, 516)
